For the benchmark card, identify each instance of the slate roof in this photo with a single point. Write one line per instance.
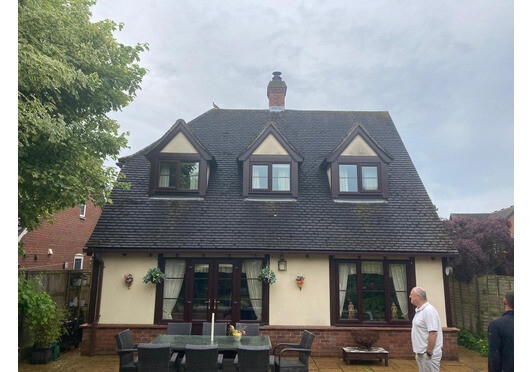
(225, 221)
(502, 213)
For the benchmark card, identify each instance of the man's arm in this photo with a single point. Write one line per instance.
(494, 358)
(432, 341)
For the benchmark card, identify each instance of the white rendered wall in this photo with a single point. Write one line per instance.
(429, 276)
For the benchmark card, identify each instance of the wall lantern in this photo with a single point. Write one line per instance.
(282, 265)
(448, 271)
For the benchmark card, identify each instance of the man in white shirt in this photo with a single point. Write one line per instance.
(427, 336)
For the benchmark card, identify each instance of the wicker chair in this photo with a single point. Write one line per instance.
(293, 365)
(156, 358)
(252, 329)
(126, 348)
(179, 329)
(252, 359)
(202, 358)
(220, 329)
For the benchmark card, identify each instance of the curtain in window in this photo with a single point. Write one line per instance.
(281, 177)
(259, 177)
(252, 269)
(172, 287)
(370, 179)
(348, 177)
(344, 270)
(164, 178)
(398, 273)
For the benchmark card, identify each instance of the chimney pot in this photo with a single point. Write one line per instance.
(276, 92)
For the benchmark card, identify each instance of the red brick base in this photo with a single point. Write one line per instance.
(329, 340)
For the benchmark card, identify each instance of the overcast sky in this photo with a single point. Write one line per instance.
(443, 70)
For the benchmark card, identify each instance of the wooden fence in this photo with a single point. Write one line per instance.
(475, 304)
(63, 286)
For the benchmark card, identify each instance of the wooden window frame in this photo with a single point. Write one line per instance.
(237, 272)
(178, 159)
(334, 288)
(269, 189)
(360, 162)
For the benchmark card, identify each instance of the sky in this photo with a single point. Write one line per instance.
(443, 70)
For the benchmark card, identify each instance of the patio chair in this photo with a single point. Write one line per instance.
(204, 358)
(252, 359)
(220, 329)
(179, 329)
(126, 348)
(281, 364)
(156, 358)
(252, 329)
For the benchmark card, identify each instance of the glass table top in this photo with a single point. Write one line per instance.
(178, 342)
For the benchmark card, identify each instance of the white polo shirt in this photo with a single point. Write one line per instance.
(425, 321)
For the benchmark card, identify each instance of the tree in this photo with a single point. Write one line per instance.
(72, 72)
(484, 246)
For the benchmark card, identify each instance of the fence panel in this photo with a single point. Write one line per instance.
(475, 304)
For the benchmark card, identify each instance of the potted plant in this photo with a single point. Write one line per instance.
(267, 275)
(236, 333)
(154, 275)
(39, 312)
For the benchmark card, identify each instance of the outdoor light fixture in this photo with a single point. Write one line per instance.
(282, 265)
(449, 271)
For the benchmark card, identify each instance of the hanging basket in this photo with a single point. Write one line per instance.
(300, 280)
(267, 275)
(129, 280)
(154, 276)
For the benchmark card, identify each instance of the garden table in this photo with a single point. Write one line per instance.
(225, 343)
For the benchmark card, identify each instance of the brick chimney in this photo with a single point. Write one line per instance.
(276, 92)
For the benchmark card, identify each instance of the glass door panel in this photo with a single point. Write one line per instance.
(201, 299)
(224, 293)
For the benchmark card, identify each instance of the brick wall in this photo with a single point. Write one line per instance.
(66, 237)
(328, 341)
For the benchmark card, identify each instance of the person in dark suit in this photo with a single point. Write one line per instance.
(501, 338)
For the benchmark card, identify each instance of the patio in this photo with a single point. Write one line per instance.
(468, 361)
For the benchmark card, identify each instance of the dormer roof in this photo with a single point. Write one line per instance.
(180, 128)
(358, 130)
(270, 132)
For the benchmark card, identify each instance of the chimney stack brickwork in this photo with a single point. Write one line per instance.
(276, 92)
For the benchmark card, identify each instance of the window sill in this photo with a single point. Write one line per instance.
(268, 199)
(175, 197)
(361, 201)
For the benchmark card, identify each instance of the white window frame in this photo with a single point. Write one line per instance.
(83, 211)
(79, 257)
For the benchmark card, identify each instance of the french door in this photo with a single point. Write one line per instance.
(197, 288)
(211, 290)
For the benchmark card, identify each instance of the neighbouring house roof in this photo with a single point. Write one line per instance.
(225, 221)
(503, 213)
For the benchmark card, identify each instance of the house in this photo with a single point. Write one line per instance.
(505, 213)
(59, 245)
(330, 196)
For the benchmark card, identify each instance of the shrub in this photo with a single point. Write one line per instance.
(42, 315)
(478, 342)
(365, 339)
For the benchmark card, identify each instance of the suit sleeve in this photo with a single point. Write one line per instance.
(494, 358)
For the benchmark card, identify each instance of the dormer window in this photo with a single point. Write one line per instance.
(270, 165)
(358, 178)
(179, 175)
(272, 177)
(180, 164)
(358, 167)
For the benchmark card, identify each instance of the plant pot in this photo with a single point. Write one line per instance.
(237, 338)
(41, 356)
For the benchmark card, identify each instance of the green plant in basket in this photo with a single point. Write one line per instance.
(155, 276)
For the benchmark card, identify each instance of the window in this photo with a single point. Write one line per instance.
(78, 262)
(371, 292)
(83, 210)
(270, 177)
(358, 178)
(178, 175)
(174, 290)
